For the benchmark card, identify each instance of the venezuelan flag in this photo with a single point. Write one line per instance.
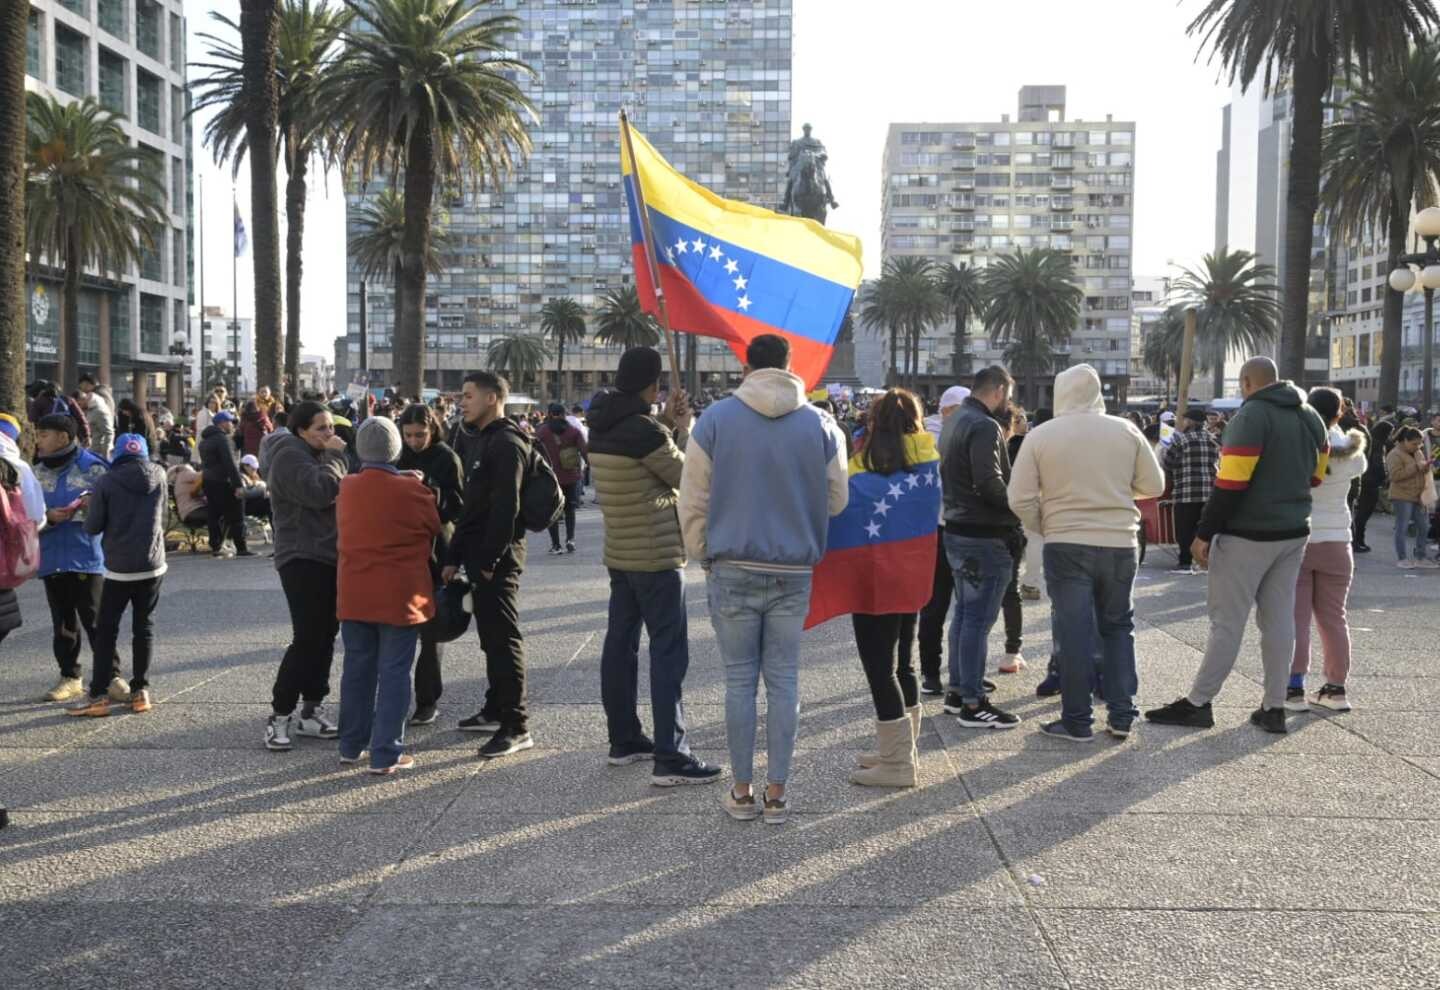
(880, 556)
(735, 271)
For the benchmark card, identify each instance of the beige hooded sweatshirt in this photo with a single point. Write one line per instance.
(1078, 475)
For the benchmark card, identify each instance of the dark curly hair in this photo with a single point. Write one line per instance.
(894, 415)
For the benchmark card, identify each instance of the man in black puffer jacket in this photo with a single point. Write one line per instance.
(127, 511)
(220, 469)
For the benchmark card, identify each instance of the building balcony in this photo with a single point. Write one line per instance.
(1062, 182)
(963, 141)
(964, 184)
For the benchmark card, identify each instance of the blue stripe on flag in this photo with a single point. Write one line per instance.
(885, 508)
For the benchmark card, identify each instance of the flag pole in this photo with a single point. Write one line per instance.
(651, 262)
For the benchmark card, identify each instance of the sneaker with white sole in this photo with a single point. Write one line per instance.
(776, 809)
(66, 689)
(1012, 664)
(404, 762)
(277, 733)
(506, 742)
(742, 809)
(1295, 700)
(352, 760)
(118, 689)
(315, 725)
(985, 716)
(1405, 565)
(1332, 697)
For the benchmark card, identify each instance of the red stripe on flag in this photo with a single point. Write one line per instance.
(884, 578)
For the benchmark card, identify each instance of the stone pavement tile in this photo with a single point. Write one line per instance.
(1402, 733)
(1220, 862)
(13, 759)
(1245, 950)
(621, 948)
(201, 856)
(1431, 766)
(607, 856)
(1103, 779)
(223, 782)
(820, 681)
(568, 782)
(45, 726)
(184, 724)
(174, 946)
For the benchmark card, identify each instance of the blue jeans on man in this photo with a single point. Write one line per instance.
(655, 600)
(759, 619)
(1090, 591)
(983, 567)
(375, 689)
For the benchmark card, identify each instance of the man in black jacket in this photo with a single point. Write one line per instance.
(220, 474)
(489, 541)
(979, 526)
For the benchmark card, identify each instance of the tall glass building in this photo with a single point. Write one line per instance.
(707, 83)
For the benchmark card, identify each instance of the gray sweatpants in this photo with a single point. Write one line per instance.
(1245, 573)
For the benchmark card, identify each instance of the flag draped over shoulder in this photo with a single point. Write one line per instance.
(735, 271)
(880, 556)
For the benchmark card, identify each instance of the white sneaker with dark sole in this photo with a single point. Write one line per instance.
(277, 733)
(316, 725)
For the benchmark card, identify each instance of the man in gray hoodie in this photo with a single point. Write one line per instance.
(764, 472)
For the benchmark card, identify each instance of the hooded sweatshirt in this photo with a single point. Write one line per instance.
(764, 472)
(304, 484)
(65, 547)
(127, 512)
(1078, 475)
(1330, 502)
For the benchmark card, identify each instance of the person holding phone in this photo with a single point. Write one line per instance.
(1408, 468)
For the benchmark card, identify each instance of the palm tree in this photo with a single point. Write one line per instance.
(308, 40)
(377, 240)
(1310, 42)
(518, 357)
(1160, 351)
(1238, 304)
(619, 320)
(91, 199)
(425, 88)
(1382, 161)
(563, 321)
(877, 314)
(14, 23)
(964, 293)
(218, 370)
(1033, 304)
(905, 301)
(260, 101)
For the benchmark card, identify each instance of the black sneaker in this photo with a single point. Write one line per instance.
(479, 722)
(631, 752)
(246, 553)
(1295, 700)
(988, 686)
(931, 686)
(505, 742)
(424, 715)
(1269, 719)
(1118, 730)
(986, 716)
(1049, 687)
(1332, 696)
(1060, 730)
(954, 703)
(569, 546)
(689, 771)
(1181, 712)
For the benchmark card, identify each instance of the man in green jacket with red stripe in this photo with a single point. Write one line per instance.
(1252, 534)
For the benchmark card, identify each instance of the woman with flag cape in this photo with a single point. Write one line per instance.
(877, 568)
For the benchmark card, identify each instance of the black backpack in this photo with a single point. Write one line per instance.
(542, 503)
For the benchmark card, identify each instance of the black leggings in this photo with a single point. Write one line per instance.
(572, 502)
(310, 591)
(1365, 508)
(1010, 604)
(887, 646)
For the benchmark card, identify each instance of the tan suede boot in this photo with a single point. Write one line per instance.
(897, 757)
(872, 759)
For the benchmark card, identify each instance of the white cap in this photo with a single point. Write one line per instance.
(954, 395)
(1167, 417)
(251, 461)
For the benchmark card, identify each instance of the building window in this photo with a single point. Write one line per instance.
(177, 259)
(177, 44)
(177, 187)
(177, 115)
(78, 7)
(147, 28)
(32, 44)
(120, 325)
(72, 62)
(112, 17)
(88, 351)
(152, 260)
(152, 323)
(147, 98)
(112, 82)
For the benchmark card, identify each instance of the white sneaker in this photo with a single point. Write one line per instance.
(1425, 563)
(1406, 565)
(277, 732)
(1012, 664)
(66, 689)
(316, 725)
(119, 689)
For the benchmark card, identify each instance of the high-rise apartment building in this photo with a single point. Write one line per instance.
(707, 83)
(969, 192)
(130, 56)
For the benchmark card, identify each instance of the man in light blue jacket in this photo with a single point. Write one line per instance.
(764, 472)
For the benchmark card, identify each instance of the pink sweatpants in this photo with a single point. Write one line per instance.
(1322, 590)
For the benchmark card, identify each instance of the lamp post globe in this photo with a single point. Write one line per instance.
(1430, 277)
(1402, 279)
(1427, 223)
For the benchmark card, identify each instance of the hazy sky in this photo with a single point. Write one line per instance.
(858, 66)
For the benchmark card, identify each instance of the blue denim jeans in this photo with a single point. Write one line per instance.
(1405, 512)
(1094, 613)
(655, 601)
(758, 620)
(375, 689)
(982, 568)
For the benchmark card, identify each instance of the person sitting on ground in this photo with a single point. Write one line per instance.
(188, 485)
(386, 521)
(253, 491)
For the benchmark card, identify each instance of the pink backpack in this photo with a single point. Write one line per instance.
(19, 540)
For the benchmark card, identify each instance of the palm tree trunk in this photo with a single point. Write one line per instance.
(957, 365)
(1312, 80)
(1402, 194)
(409, 346)
(69, 344)
(1219, 373)
(894, 375)
(560, 366)
(296, 168)
(14, 22)
(259, 30)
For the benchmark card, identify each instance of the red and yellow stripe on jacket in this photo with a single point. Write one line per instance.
(1237, 467)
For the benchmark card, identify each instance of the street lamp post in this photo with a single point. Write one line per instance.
(1403, 279)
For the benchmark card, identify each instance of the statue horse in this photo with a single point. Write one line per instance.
(809, 196)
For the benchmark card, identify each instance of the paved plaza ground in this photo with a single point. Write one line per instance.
(171, 850)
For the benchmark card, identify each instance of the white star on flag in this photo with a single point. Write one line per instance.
(929, 479)
(670, 255)
(873, 529)
(744, 302)
(895, 491)
(681, 246)
(716, 254)
(731, 267)
(913, 480)
(740, 282)
(698, 244)
(882, 507)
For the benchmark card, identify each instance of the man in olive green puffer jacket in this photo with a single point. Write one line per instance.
(635, 461)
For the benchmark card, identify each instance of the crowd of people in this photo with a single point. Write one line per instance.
(381, 520)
